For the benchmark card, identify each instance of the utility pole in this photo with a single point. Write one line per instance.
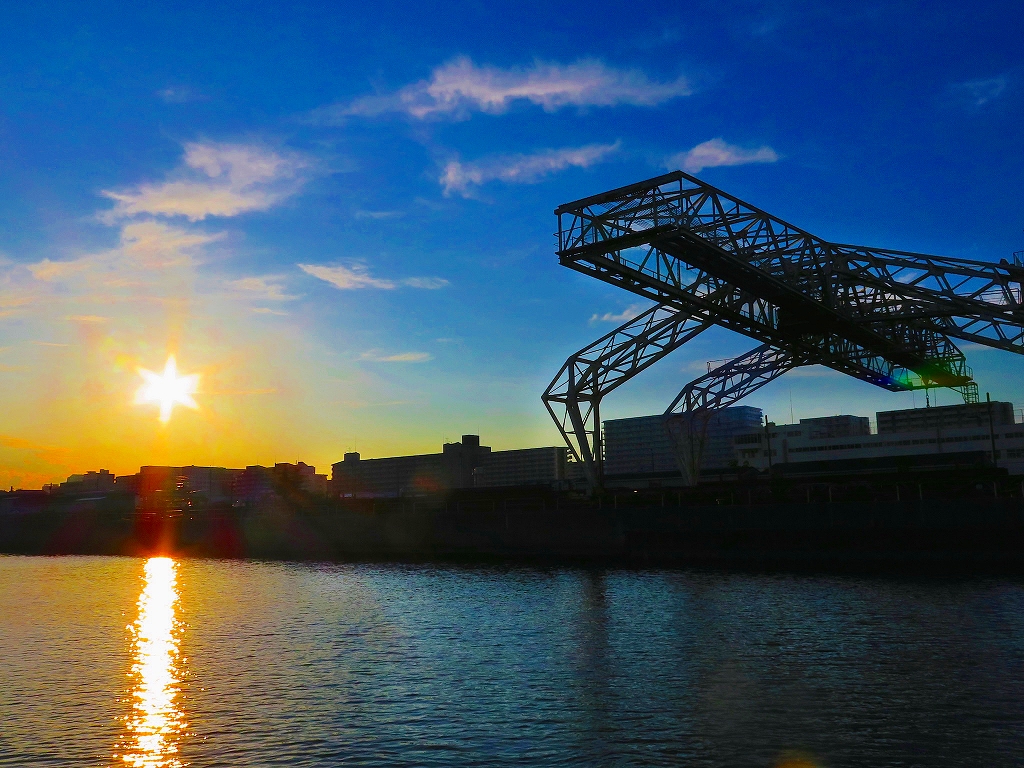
(991, 428)
(768, 438)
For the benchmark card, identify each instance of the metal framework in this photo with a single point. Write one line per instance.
(707, 258)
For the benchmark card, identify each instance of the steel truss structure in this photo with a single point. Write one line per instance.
(707, 258)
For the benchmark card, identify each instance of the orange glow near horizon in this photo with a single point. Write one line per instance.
(167, 389)
(156, 720)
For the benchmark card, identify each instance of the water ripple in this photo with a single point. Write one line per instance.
(278, 664)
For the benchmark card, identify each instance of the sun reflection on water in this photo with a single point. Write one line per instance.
(156, 720)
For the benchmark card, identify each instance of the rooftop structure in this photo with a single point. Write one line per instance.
(405, 475)
(915, 440)
(300, 476)
(90, 482)
(163, 487)
(974, 415)
(466, 464)
(523, 467)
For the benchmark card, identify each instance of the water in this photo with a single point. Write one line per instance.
(110, 661)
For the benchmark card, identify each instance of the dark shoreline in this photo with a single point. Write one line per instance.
(956, 537)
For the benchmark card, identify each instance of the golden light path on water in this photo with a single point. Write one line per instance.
(156, 721)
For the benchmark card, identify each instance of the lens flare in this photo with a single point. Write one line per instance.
(156, 721)
(167, 389)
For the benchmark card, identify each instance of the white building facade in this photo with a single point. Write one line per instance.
(951, 437)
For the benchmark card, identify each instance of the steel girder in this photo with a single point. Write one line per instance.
(886, 317)
(687, 417)
(573, 398)
(734, 380)
(935, 358)
(675, 226)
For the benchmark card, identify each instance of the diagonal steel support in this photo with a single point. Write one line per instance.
(573, 398)
(688, 416)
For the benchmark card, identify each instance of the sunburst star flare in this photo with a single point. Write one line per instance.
(167, 389)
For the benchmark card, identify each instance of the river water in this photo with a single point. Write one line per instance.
(120, 661)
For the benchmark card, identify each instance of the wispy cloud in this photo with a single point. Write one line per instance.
(977, 93)
(154, 263)
(378, 215)
(427, 283)
(155, 245)
(402, 357)
(460, 87)
(11, 303)
(180, 94)
(357, 275)
(88, 319)
(237, 392)
(973, 346)
(147, 245)
(20, 444)
(633, 310)
(459, 177)
(216, 180)
(347, 278)
(266, 288)
(49, 271)
(269, 311)
(50, 344)
(716, 152)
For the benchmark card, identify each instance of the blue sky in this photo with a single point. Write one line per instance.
(341, 216)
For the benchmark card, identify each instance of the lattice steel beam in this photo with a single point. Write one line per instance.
(973, 300)
(734, 380)
(687, 417)
(573, 398)
(886, 317)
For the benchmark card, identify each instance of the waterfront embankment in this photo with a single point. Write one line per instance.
(958, 535)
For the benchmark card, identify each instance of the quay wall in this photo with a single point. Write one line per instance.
(965, 535)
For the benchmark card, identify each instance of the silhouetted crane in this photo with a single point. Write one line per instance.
(707, 258)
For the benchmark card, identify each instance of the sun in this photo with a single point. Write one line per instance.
(167, 389)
